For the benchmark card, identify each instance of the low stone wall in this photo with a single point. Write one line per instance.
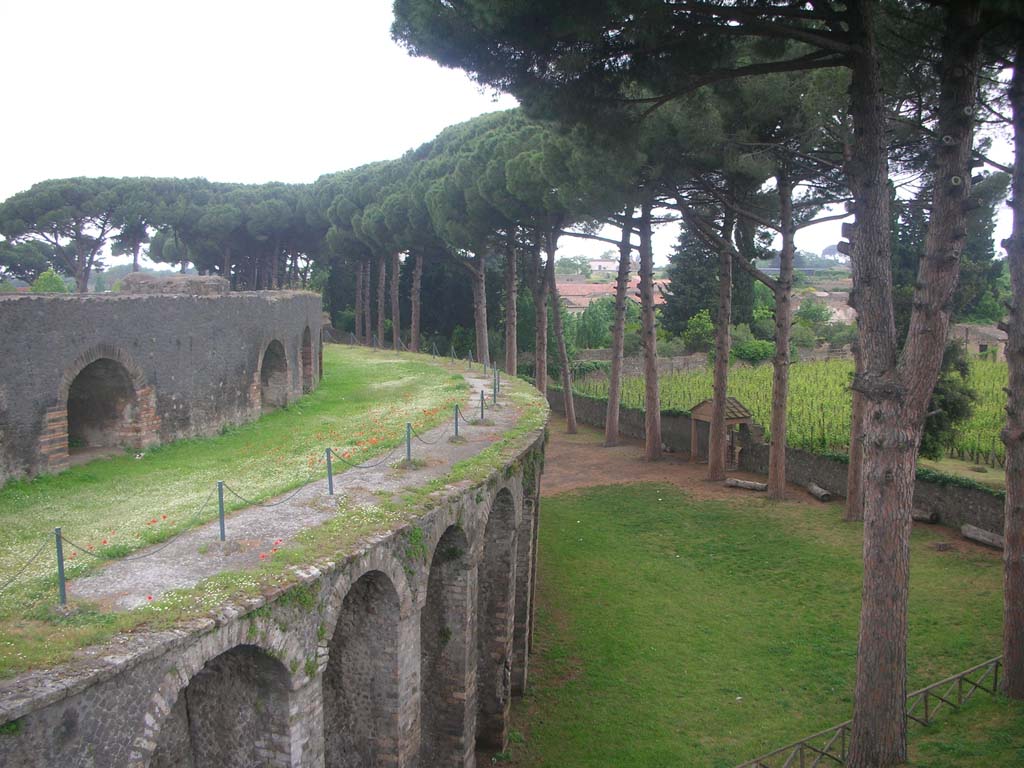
(954, 505)
(675, 427)
(404, 651)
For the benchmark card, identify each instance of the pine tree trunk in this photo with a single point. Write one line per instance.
(563, 355)
(1013, 434)
(611, 421)
(783, 323)
(396, 311)
(414, 301)
(382, 281)
(225, 270)
(855, 470)
(898, 392)
(723, 342)
(540, 303)
(135, 256)
(275, 266)
(359, 302)
(652, 399)
(511, 313)
(478, 272)
(367, 317)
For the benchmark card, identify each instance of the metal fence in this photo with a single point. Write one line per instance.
(830, 747)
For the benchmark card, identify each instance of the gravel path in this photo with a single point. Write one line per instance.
(196, 554)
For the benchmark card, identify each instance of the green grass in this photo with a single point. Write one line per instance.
(117, 505)
(987, 733)
(681, 633)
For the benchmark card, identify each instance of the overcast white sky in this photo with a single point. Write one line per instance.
(231, 91)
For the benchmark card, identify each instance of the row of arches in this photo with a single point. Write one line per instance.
(400, 686)
(108, 404)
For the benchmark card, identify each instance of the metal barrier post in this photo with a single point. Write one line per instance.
(456, 419)
(481, 405)
(330, 473)
(408, 442)
(61, 584)
(220, 506)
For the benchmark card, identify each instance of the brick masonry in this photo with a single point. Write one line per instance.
(954, 505)
(399, 653)
(193, 364)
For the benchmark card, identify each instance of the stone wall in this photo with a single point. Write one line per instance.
(954, 505)
(675, 427)
(401, 652)
(180, 366)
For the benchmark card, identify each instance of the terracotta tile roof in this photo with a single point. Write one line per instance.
(581, 294)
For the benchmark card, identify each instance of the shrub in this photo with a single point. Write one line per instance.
(49, 282)
(840, 334)
(753, 351)
(815, 314)
(802, 336)
(699, 335)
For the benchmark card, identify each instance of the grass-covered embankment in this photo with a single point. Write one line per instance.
(680, 633)
(114, 506)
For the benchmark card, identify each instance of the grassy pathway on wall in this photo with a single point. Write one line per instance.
(681, 633)
(114, 506)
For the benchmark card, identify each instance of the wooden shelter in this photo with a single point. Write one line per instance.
(735, 413)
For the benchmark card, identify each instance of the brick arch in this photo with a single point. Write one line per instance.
(111, 351)
(446, 638)
(496, 593)
(375, 560)
(161, 720)
(143, 430)
(271, 389)
(361, 683)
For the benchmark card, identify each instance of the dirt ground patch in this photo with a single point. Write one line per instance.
(581, 461)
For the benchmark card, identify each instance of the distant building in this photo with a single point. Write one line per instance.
(576, 297)
(980, 339)
(611, 265)
(604, 265)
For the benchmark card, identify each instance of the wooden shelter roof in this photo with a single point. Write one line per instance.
(735, 411)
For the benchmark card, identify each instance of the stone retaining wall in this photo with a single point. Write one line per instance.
(404, 652)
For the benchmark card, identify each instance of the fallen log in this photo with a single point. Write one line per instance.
(748, 485)
(818, 492)
(982, 536)
(925, 517)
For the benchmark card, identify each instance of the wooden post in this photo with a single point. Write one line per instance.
(693, 439)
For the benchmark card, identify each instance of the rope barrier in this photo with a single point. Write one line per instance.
(277, 503)
(432, 442)
(15, 577)
(377, 463)
(62, 539)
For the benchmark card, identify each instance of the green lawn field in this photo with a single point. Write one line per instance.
(680, 633)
